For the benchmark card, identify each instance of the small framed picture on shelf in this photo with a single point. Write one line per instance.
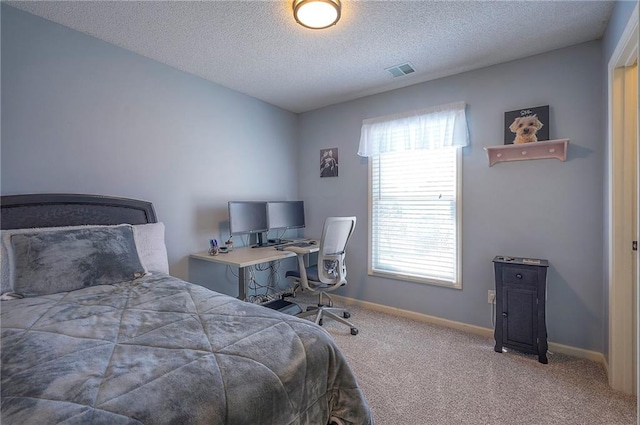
(329, 162)
(526, 125)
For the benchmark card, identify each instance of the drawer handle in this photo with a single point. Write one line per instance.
(519, 275)
(504, 314)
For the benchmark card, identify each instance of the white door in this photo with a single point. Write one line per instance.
(623, 212)
(631, 182)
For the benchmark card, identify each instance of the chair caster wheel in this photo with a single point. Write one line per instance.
(346, 314)
(354, 331)
(320, 322)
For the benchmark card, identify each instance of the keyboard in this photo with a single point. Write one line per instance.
(300, 244)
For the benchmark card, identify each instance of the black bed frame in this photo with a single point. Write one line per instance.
(66, 209)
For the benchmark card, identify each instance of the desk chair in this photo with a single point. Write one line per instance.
(329, 273)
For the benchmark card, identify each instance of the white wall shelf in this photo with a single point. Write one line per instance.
(535, 150)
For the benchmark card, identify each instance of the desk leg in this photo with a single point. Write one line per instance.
(242, 284)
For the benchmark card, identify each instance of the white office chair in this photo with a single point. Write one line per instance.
(329, 273)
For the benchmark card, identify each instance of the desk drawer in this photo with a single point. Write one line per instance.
(521, 276)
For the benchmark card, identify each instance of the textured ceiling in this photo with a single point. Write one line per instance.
(256, 47)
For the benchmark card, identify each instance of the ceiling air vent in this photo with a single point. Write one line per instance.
(400, 70)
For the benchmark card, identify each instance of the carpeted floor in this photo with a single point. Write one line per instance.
(416, 373)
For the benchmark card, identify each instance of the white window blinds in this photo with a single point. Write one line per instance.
(414, 196)
(414, 215)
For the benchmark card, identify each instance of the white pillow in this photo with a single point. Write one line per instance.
(151, 247)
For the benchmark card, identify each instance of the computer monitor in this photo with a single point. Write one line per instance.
(247, 217)
(285, 215)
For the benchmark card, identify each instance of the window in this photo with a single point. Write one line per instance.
(414, 187)
(414, 215)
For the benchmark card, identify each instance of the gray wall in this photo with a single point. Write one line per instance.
(542, 209)
(619, 19)
(81, 115)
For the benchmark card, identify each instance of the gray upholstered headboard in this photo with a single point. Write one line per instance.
(64, 209)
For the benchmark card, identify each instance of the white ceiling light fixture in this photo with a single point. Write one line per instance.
(316, 14)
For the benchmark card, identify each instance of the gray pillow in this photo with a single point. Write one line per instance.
(65, 260)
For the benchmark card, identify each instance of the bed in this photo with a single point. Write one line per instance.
(95, 331)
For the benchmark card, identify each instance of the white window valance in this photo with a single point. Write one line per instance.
(432, 128)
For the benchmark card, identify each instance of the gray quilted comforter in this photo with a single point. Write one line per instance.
(159, 350)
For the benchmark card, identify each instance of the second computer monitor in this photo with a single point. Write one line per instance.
(285, 214)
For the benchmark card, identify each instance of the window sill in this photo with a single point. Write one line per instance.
(415, 279)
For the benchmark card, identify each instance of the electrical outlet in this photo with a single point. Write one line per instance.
(491, 296)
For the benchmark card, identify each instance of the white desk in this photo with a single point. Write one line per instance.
(247, 256)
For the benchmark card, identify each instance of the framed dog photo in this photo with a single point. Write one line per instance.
(526, 125)
(329, 162)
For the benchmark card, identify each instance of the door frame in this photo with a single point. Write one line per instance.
(620, 225)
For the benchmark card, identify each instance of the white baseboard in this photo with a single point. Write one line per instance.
(479, 330)
(577, 352)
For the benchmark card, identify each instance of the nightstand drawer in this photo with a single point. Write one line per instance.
(520, 276)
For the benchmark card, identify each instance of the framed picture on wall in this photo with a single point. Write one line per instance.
(526, 125)
(329, 162)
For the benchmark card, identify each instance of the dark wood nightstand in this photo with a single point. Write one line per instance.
(520, 305)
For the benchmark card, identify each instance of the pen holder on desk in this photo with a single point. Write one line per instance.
(213, 247)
